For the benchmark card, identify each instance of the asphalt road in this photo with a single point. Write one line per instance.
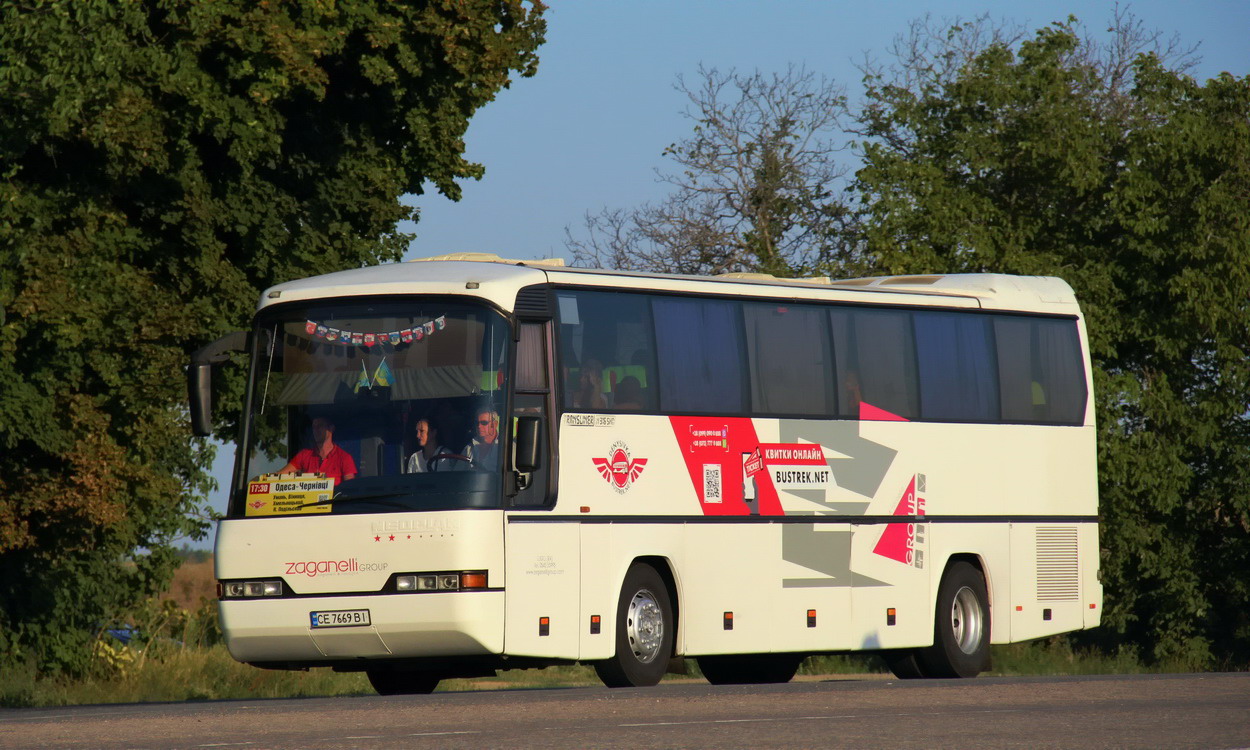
(1156, 711)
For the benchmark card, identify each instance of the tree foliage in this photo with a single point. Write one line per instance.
(1129, 181)
(160, 163)
(754, 188)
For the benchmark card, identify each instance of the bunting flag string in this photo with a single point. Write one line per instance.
(369, 340)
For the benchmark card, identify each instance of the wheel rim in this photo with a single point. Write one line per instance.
(644, 625)
(967, 620)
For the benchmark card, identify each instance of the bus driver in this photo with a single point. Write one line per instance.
(324, 457)
(483, 451)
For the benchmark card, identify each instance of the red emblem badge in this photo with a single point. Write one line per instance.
(618, 468)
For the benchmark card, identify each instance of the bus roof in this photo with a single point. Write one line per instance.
(498, 280)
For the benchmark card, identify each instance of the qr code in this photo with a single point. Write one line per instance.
(711, 483)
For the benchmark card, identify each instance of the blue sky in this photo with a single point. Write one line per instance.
(588, 130)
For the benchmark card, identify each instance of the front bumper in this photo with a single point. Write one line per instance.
(461, 623)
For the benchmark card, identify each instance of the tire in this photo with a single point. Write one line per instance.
(961, 627)
(401, 682)
(644, 631)
(750, 669)
(905, 663)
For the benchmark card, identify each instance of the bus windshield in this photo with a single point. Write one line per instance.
(374, 407)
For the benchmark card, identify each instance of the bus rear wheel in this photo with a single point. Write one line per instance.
(401, 681)
(961, 629)
(644, 631)
(750, 669)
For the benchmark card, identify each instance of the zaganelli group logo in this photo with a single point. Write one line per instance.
(618, 468)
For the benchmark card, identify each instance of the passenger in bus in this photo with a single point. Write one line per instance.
(422, 460)
(325, 457)
(628, 394)
(483, 451)
(590, 386)
(852, 396)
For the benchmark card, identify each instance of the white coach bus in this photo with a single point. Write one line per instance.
(465, 464)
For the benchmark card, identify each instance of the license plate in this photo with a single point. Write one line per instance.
(341, 618)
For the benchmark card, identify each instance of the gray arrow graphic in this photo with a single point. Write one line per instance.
(828, 552)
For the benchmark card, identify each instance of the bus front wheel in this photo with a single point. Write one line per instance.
(644, 631)
(401, 681)
(961, 630)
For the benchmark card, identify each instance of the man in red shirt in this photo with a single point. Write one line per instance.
(324, 457)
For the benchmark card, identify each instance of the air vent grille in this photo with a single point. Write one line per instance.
(533, 302)
(1058, 569)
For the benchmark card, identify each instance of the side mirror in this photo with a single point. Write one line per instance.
(528, 443)
(200, 379)
(200, 391)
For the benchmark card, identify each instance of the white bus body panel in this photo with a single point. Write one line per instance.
(770, 571)
(544, 577)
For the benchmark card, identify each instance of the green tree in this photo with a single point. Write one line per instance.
(1119, 173)
(160, 163)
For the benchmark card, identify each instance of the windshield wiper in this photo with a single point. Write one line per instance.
(341, 498)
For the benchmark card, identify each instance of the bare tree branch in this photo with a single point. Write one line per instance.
(753, 184)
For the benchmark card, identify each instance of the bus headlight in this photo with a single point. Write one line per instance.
(249, 589)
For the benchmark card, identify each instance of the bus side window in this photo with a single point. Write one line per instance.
(700, 355)
(955, 359)
(875, 357)
(788, 358)
(605, 339)
(1041, 370)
